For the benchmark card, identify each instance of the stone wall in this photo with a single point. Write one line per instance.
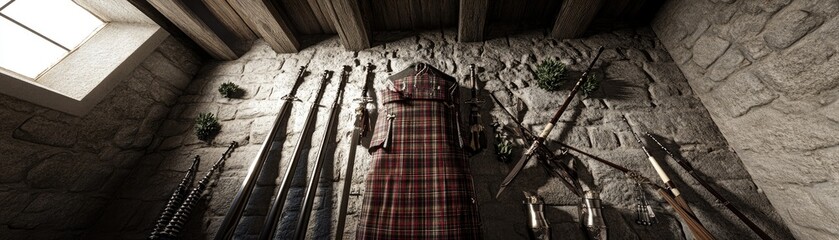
(58, 170)
(642, 83)
(767, 72)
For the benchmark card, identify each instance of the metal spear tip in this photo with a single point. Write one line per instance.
(500, 190)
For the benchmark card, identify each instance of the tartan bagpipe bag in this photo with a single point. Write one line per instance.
(419, 185)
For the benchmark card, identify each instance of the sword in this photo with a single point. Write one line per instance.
(231, 219)
(331, 125)
(540, 139)
(477, 136)
(272, 219)
(362, 125)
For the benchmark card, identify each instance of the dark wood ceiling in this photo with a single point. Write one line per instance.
(218, 25)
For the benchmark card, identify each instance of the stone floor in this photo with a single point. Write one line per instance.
(641, 83)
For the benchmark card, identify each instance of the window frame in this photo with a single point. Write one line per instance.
(67, 50)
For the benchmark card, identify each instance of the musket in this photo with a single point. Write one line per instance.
(689, 168)
(174, 228)
(359, 131)
(695, 227)
(540, 139)
(272, 219)
(331, 127)
(477, 135)
(175, 200)
(234, 214)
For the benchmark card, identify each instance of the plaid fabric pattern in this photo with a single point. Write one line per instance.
(420, 186)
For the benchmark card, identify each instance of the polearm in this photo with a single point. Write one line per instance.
(174, 228)
(360, 130)
(661, 174)
(175, 201)
(566, 174)
(231, 219)
(699, 230)
(331, 127)
(477, 135)
(540, 139)
(272, 219)
(693, 223)
(689, 168)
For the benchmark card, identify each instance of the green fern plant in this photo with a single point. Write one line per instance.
(229, 90)
(550, 74)
(503, 145)
(206, 126)
(592, 84)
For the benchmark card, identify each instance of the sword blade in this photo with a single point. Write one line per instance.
(513, 173)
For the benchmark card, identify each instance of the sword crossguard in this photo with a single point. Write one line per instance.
(474, 100)
(290, 98)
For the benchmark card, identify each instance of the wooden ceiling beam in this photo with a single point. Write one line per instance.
(177, 12)
(574, 18)
(472, 20)
(349, 22)
(266, 21)
(225, 13)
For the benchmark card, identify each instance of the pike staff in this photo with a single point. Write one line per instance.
(362, 126)
(687, 167)
(540, 139)
(272, 219)
(331, 125)
(231, 219)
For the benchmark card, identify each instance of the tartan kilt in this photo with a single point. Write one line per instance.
(419, 185)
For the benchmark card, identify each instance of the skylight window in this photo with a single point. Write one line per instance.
(37, 34)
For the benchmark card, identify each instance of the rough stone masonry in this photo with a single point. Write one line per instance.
(767, 73)
(642, 82)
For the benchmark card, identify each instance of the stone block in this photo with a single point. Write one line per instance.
(805, 69)
(740, 94)
(55, 171)
(603, 138)
(731, 61)
(629, 73)
(707, 49)
(13, 203)
(166, 70)
(263, 65)
(664, 72)
(789, 26)
(41, 130)
(768, 129)
(222, 68)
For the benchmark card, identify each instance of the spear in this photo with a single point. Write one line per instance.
(687, 167)
(540, 139)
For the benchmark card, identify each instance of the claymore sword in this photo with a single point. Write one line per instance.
(361, 128)
(548, 128)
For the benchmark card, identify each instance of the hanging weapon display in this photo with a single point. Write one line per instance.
(231, 219)
(477, 134)
(540, 139)
(272, 219)
(175, 200)
(175, 226)
(360, 129)
(331, 125)
(687, 167)
(430, 88)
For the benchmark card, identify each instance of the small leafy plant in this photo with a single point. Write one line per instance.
(550, 74)
(592, 84)
(503, 146)
(229, 90)
(206, 126)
